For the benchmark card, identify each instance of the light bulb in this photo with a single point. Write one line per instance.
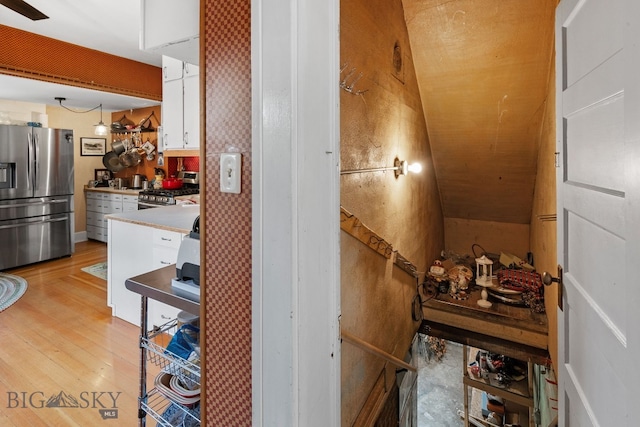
(415, 168)
(101, 129)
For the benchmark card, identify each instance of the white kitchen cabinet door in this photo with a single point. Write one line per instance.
(128, 255)
(172, 69)
(190, 70)
(172, 110)
(191, 87)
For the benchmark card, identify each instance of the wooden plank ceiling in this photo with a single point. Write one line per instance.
(483, 69)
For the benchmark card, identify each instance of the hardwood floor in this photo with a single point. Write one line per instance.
(60, 337)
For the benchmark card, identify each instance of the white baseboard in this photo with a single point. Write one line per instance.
(80, 236)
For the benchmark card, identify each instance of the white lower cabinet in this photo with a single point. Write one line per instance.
(135, 249)
(129, 203)
(164, 252)
(100, 204)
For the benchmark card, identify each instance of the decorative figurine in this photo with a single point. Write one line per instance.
(437, 270)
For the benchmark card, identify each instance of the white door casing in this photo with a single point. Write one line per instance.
(296, 229)
(597, 139)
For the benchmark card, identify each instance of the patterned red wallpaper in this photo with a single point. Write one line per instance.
(227, 217)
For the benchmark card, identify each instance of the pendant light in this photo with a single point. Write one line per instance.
(100, 129)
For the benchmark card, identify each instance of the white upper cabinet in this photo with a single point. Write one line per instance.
(171, 28)
(172, 69)
(180, 105)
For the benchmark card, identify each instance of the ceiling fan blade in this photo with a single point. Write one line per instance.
(24, 9)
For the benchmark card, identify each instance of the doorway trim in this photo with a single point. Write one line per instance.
(296, 229)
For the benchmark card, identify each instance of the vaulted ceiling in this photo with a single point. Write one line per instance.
(483, 69)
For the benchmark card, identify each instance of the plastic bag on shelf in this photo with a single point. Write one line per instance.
(185, 341)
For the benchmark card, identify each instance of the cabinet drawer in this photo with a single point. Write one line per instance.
(93, 218)
(115, 198)
(163, 256)
(166, 238)
(92, 195)
(102, 220)
(92, 232)
(92, 205)
(97, 233)
(129, 199)
(111, 206)
(101, 205)
(160, 313)
(115, 207)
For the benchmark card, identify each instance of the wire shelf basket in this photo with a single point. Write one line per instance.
(168, 413)
(188, 371)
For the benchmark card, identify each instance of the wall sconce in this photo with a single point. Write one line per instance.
(400, 167)
(101, 128)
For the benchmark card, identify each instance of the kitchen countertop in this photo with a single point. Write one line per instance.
(113, 190)
(177, 218)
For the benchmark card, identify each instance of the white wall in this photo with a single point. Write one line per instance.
(20, 113)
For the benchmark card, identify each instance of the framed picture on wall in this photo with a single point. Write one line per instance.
(103, 175)
(93, 146)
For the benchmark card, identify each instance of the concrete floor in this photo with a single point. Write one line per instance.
(440, 389)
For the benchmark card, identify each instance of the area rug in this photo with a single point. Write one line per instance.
(11, 289)
(98, 270)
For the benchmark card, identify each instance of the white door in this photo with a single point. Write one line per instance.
(598, 225)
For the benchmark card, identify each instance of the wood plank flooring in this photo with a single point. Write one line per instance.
(60, 337)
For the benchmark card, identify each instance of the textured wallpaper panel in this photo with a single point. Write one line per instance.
(227, 217)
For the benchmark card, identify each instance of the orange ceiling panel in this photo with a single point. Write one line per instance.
(33, 56)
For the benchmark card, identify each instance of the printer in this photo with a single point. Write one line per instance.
(187, 281)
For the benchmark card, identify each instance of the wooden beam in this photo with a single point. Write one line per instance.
(362, 344)
(486, 342)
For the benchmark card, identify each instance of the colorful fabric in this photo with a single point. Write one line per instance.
(528, 282)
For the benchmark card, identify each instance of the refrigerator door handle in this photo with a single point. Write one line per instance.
(36, 145)
(28, 224)
(30, 160)
(24, 205)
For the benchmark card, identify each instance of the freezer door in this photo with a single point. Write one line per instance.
(33, 207)
(35, 239)
(53, 162)
(15, 168)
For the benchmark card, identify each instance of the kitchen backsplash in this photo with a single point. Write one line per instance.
(188, 163)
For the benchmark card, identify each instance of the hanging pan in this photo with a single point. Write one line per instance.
(118, 146)
(130, 158)
(112, 162)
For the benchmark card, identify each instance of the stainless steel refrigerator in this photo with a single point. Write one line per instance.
(36, 194)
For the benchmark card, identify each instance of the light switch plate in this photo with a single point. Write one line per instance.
(230, 164)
